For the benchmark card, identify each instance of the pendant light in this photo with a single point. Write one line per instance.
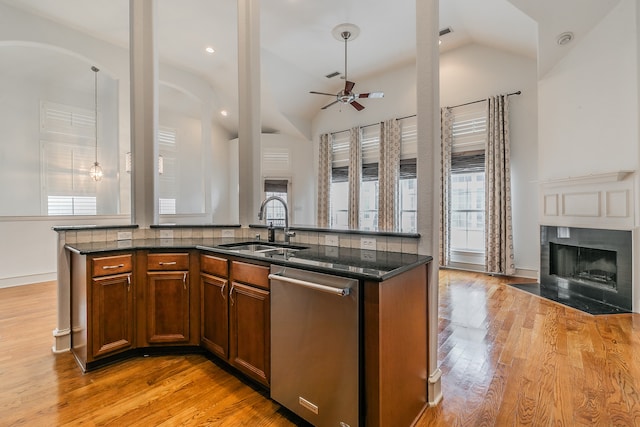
(96, 171)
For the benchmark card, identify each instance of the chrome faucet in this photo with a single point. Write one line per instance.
(287, 234)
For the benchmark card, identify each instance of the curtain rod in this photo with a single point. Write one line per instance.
(413, 115)
(482, 100)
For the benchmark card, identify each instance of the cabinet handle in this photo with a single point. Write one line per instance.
(224, 297)
(129, 283)
(167, 263)
(111, 267)
(184, 281)
(231, 294)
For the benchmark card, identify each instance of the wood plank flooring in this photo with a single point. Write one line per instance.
(508, 358)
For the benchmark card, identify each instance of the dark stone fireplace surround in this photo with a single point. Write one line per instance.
(616, 290)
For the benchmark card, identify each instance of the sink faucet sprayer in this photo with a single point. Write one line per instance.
(287, 234)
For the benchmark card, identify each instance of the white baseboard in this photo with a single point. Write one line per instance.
(10, 282)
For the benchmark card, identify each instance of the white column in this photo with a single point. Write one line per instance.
(428, 109)
(249, 109)
(62, 332)
(144, 112)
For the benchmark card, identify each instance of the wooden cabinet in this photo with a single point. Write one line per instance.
(249, 320)
(102, 306)
(214, 308)
(167, 298)
(235, 314)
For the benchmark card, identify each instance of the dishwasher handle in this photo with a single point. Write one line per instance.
(342, 292)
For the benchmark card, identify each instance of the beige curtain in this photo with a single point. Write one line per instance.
(388, 175)
(498, 229)
(324, 180)
(355, 176)
(446, 141)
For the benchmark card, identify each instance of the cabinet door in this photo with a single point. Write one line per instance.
(215, 315)
(111, 314)
(167, 307)
(249, 331)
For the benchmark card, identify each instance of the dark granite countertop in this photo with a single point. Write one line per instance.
(347, 262)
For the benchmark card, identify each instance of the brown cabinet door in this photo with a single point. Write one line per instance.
(112, 314)
(249, 320)
(214, 315)
(167, 307)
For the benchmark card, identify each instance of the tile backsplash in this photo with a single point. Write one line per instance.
(345, 240)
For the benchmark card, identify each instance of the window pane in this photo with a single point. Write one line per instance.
(339, 205)
(274, 210)
(407, 203)
(467, 211)
(368, 216)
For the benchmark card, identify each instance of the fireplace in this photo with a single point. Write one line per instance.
(587, 263)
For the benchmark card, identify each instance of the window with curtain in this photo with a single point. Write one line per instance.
(339, 191)
(467, 198)
(369, 186)
(408, 190)
(274, 211)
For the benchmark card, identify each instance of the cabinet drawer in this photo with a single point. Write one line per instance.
(104, 266)
(252, 274)
(214, 265)
(168, 261)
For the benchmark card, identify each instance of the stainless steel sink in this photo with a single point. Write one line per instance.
(260, 248)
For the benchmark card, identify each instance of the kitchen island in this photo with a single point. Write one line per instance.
(201, 294)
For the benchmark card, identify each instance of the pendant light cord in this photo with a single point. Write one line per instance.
(95, 98)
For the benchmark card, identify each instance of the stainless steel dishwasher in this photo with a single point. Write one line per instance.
(315, 346)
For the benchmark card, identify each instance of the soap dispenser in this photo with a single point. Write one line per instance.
(271, 232)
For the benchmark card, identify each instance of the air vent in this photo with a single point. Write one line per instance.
(332, 75)
(445, 31)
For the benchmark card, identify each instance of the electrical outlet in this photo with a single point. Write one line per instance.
(124, 235)
(228, 233)
(331, 240)
(166, 234)
(368, 243)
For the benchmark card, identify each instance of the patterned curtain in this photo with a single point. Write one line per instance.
(498, 229)
(355, 176)
(388, 175)
(446, 141)
(324, 180)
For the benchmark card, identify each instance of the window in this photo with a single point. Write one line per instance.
(408, 185)
(274, 210)
(66, 159)
(339, 192)
(468, 182)
(167, 171)
(370, 141)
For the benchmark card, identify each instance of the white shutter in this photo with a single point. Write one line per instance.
(67, 120)
(168, 180)
(469, 127)
(370, 143)
(276, 160)
(409, 138)
(340, 149)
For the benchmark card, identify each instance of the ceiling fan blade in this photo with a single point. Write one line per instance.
(372, 95)
(329, 105)
(322, 93)
(348, 86)
(357, 105)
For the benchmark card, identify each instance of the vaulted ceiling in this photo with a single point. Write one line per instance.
(298, 48)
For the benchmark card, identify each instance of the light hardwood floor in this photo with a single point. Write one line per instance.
(508, 358)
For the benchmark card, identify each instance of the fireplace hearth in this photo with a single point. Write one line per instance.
(581, 263)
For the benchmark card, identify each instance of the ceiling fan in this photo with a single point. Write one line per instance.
(347, 96)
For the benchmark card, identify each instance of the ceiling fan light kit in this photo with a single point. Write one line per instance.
(346, 32)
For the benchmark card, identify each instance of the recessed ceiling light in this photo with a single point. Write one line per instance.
(565, 38)
(224, 113)
(209, 49)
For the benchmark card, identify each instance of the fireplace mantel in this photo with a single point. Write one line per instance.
(604, 200)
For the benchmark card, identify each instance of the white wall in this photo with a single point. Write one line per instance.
(475, 72)
(588, 103)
